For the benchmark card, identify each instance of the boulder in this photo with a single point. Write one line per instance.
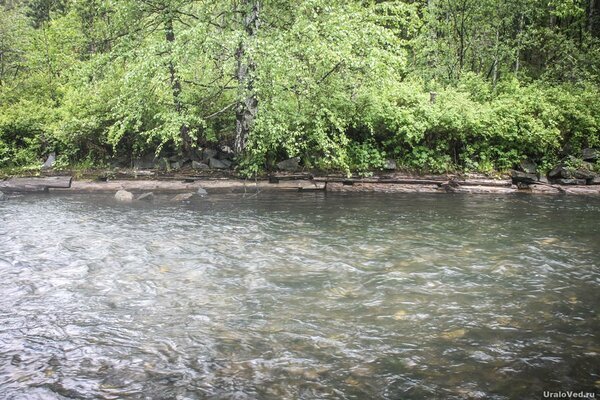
(528, 166)
(291, 164)
(523, 177)
(594, 181)
(559, 172)
(225, 153)
(175, 165)
(146, 197)
(182, 197)
(201, 192)
(199, 165)
(49, 161)
(570, 181)
(124, 196)
(2, 196)
(390, 165)
(146, 162)
(219, 164)
(207, 154)
(584, 173)
(163, 164)
(590, 154)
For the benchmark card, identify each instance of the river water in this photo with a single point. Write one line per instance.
(299, 296)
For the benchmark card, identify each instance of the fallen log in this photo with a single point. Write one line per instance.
(35, 184)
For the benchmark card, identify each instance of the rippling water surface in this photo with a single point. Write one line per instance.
(299, 296)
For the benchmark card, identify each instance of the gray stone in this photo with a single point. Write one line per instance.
(528, 166)
(560, 171)
(543, 179)
(199, 165)
(124, 196)
(163, 164)
(390, 165)
(291, 164)
(207, 154)
(570, 181)
(225, 153)
(218, 164)
(590, 154)
(594, 181)
(523, 177)
(201, 192)
(146, 162)
(2, 196)
(146, 197)
(183, 197)
(176, 165)
(49, 161)
(583, 173)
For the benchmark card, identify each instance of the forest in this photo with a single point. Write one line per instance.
(344, 85)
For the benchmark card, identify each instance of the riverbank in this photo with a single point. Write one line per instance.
(219, 182)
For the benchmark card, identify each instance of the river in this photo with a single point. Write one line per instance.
(299, 296)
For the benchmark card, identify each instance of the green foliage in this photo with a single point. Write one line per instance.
(344, 85)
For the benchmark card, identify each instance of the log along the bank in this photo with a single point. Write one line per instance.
(35, 184)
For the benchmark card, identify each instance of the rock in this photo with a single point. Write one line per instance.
(584, 173)
(183, 197)
(219, 164)
(146, 162)
(594, 181)
(49, 161)
(175, 165)
(590, 154)
(560, 171)
(3, 196)
(291, 164)
(124, 196)
(570, 181)
(523, 177)
(225, 153)
(543, 179)
(146, 197)
(201, 192)
(528, 166)
(207, 154)
(163, 164)
(199, 165)
(390, 165)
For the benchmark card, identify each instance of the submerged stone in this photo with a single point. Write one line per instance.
(183, 197)
(201, 192)
(146, 197)
(2, 196)
(124, 196)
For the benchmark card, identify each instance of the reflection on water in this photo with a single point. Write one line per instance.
(299, 296)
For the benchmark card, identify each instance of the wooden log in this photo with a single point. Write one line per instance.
(35, 184)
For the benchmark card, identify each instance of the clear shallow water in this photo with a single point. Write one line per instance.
(290, 296)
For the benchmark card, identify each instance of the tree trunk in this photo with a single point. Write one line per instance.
(176, 87)
(592, 18)
(247, 107)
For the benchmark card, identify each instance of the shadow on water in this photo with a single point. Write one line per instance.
(283, 296)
